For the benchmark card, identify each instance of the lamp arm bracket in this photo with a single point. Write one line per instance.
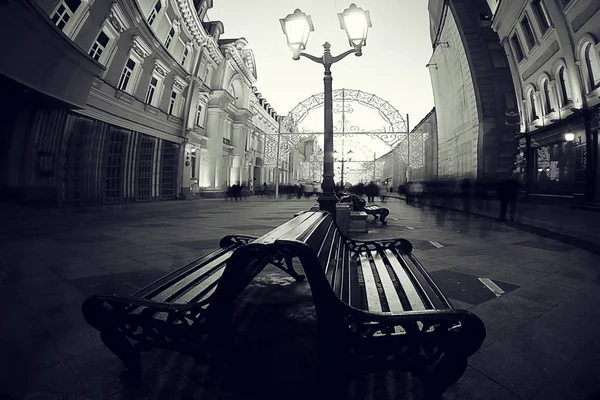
(337, 58)
(313, 58)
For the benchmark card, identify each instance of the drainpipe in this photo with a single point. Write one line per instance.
(192, 89)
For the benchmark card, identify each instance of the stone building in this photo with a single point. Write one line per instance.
(473, 92)
(553, 50)
(395, 169)
(109, 102)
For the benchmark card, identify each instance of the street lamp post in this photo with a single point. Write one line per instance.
(297, 27)
(343, 160)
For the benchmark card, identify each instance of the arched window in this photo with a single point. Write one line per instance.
(592, 65)
(531, 99)
(564, 88)
(547, 101)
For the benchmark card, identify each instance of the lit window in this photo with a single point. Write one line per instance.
(541, 13)
(199, 115)
(185, 54)
(154, 12)
(126, 75)
(151, 90)
(172, 103)
(99, 45)
(169, 37)
(517, 48)
(64, 12)
(528, 31)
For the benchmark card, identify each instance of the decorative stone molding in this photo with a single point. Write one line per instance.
(175, 23)
(116, 17)
(191, 79)
(194, 25)
(203, 98)
(179, 82)
(140, 47)
(243, 59)
(161, 68)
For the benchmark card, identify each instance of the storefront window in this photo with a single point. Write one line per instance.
(555, 169)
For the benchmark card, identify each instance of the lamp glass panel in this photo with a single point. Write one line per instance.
(356, 27)
(297, 31)
(569, 137)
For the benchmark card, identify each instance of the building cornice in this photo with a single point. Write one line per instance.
(194, 26)
(234, 51)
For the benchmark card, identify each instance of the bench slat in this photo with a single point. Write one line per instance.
(307, 226)
(389, 289)
(430, 297)
(370, 286)
(276, 233)
(175, 292)
(195, 293)
(412, 294)
(341, 261)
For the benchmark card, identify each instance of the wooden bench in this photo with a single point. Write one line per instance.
(377, 308)
(358, 204)
(175, 312)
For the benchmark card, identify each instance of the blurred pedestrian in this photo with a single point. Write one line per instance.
(508, 193)
(465, 192)
(371, 190)
(382, 193)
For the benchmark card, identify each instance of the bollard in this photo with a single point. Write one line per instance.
(343, 217)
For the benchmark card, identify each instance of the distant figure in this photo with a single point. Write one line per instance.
(382, 193)
(508, 193)
(465, 192)
(371, 190)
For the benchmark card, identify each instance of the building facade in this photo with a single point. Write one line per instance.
(395, 169)
(473, 92)
(123, 101)
(553, 49)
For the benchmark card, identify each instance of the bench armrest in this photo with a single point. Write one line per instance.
(403, 244)
(231, 240)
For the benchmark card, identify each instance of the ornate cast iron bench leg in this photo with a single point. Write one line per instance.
(286, 264)
(99, 317)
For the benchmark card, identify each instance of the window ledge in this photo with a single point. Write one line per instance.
(124, 96)
(522, 62)
(534, 49)
(547, 34)
(151, 109)
(175, 119)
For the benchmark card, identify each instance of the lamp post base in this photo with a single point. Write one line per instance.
(327, 203)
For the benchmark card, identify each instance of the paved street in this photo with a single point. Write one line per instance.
(538, 298)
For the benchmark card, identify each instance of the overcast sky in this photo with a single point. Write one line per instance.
(392, 65)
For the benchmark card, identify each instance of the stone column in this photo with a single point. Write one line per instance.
(238, 139)
(215, 126)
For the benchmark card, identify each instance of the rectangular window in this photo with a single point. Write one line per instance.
(517, 48)
(169, 37)
(172, 103)
(185, 54)
(154, 12)
(565, 3)
(126, 75)
(64, 12)
(541, 13)
(199, 115)
(99, 45)
(528, 32)
(151, 90)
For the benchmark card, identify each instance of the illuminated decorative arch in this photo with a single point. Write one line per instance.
(394, 131)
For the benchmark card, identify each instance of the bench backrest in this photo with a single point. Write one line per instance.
(365, 275)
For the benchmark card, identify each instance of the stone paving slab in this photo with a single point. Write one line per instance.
(542, 331)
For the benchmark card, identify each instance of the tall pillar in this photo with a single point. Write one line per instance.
(215, 126)
(238, 140)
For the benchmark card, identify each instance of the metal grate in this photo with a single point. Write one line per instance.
(168, 169)
(144, 170)
(113, 192)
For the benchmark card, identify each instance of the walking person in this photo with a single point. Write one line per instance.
(508, 193)
(382, 193)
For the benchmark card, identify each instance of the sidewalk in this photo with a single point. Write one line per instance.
(542, 330)
(578, 228)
